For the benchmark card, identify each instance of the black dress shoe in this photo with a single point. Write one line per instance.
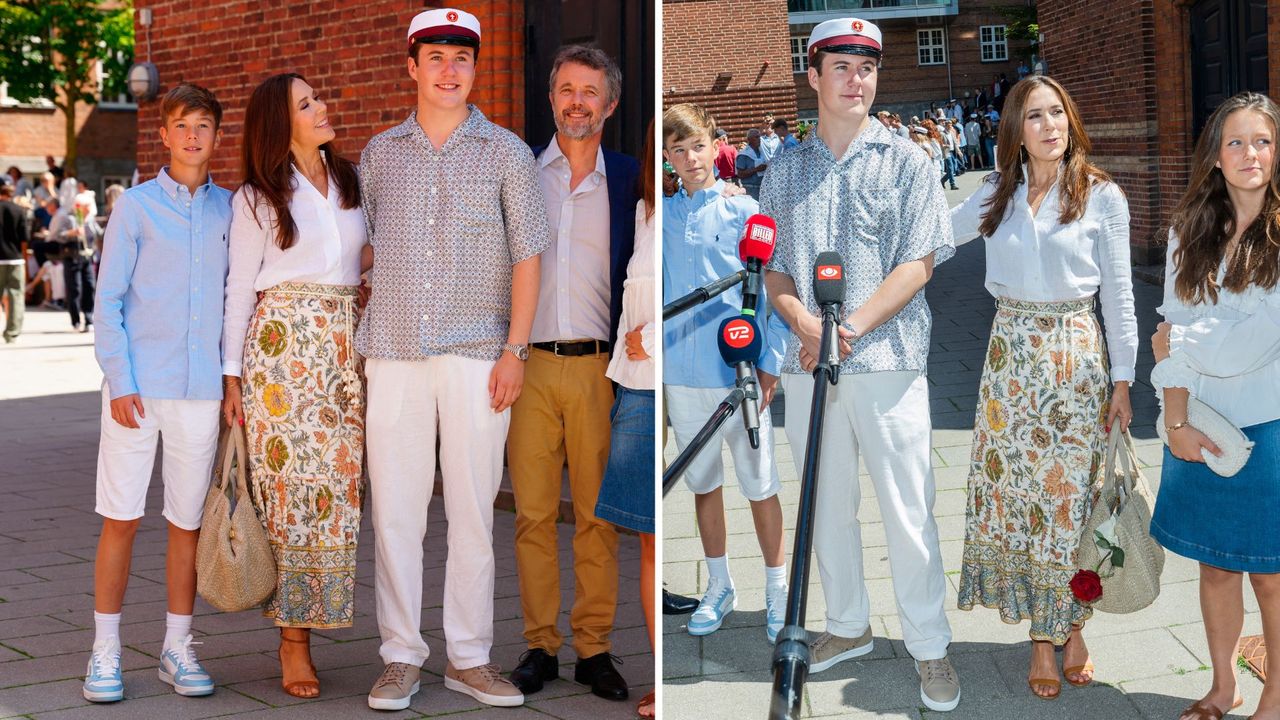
(598, 672)
(673, 604)
(536, 667)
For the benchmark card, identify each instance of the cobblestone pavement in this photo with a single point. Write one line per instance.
(1151, 664)
(48, 450)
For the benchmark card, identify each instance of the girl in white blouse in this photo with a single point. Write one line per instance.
(1220, 342)
(1057, 235)
(291, 375)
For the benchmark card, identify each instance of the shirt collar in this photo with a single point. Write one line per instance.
(702, 197)
(553, 153)
(171, 187)
(874, 134)
(476, 125)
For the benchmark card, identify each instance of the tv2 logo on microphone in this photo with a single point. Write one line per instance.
(829, 272)
(739, 334)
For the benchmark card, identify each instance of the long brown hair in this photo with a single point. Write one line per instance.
(1205, 219)
(932, 128)
(648, 181)
(1078, 174)
(266, 157)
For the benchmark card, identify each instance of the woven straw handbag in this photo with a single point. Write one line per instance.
(235, 569)
(1233, 443)
(1117, 541)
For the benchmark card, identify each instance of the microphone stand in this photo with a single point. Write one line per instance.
(722, 413)
(791, 653)
(702, 294)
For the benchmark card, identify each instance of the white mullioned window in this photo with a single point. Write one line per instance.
(799, 54)
(931, 47)
(995, 48)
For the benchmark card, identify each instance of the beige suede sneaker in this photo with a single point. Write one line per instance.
(827, 650)
(484, 683)
(939, 685)
(394, 689)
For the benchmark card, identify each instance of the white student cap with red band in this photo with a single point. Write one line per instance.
(446, 26)
(849, 36)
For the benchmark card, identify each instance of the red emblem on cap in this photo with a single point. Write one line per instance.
(451, 16)
(857, 26)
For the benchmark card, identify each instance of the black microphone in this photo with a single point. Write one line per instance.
(702, 294)
(740, 343)
(755, 249)
(828, 290)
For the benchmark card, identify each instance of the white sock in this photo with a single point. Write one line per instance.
(105, 625)
(775, 576)
(719, 568)
(176, 629)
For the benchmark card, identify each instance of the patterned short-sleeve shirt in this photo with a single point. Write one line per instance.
(879, 206)
(446, 227)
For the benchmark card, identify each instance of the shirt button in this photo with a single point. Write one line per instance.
(431, 221)
(424, 318)
(197, 259)
(428, 286)
(433, 189)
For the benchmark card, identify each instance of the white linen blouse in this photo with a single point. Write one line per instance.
(326, 250)
(1036, 258)
(639, 293)
(1226, 354)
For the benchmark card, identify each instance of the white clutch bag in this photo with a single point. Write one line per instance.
(1230, 440)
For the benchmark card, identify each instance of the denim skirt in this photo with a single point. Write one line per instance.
(1229, 523)
(627, 495)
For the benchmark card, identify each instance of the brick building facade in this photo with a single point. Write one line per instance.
(732, 58)
(106, 140)
(1145, 74)
(353, 53)
(933, 51)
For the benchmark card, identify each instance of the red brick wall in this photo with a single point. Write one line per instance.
(706, 59)
(353, 53)
(1127, 64)
(907, 85)
(102, 132)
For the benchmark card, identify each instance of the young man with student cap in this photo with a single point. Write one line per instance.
(457, 222)
(860, 190)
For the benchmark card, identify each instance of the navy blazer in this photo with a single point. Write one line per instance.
(620, 172)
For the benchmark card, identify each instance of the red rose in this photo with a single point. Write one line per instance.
(1086, 586)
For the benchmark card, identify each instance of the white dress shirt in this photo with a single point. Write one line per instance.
(1036, 258)
(1227, 354)
(638, 296)
(573, 293)
(326, 250)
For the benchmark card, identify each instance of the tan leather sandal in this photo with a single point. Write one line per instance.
(1201, 710)
(297, 688)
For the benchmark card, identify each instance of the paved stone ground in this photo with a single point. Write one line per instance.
(1151, 664)
(48, 532)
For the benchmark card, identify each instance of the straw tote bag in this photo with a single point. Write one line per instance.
(1117, 542)
(235, 569)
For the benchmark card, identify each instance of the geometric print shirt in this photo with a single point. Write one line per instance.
(446, 227)
(879, 206)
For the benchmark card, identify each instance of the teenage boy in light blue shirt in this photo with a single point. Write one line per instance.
(702, 224)
(159, 319)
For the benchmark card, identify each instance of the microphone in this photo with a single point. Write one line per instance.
(755, 249)
(740, 343)
(828, 290)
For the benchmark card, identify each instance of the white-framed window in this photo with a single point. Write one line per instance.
(931, 47)
(799, 54)
(123, 100)
(995, 48)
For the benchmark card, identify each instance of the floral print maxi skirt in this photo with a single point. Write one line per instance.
(304, 419)
(1036, 465)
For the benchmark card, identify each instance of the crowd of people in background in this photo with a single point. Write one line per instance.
(58, 220)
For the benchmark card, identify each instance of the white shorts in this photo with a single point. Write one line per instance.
(126, 456)
(689, 409)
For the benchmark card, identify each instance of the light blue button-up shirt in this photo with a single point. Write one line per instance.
(700, 237)
(158, 309)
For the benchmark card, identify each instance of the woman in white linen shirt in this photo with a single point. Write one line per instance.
(1057, 234)
(297, 249)
(1220, 342)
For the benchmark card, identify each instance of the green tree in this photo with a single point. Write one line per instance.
(1022, 25)
(49, 48)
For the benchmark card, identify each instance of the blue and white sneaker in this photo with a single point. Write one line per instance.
(716, 604)
(180, 668)
(775, 610)
(102, 679)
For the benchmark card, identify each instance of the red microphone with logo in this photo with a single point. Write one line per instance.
(755, 249)
(740, 344)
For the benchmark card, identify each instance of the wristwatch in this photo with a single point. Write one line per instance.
(520, 351)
